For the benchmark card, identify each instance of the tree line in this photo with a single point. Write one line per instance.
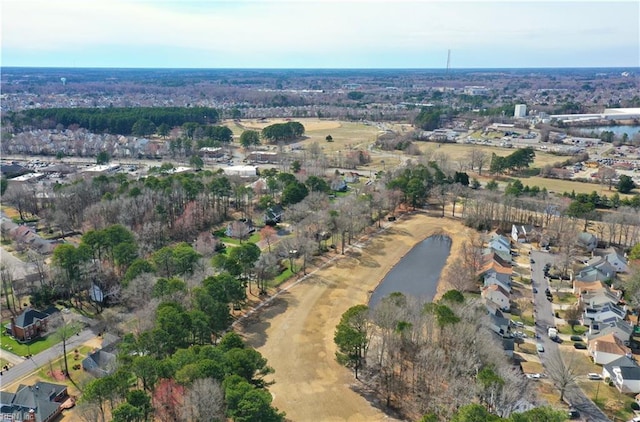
(289, 131)
(114, 120)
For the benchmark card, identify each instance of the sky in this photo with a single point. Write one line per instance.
(319, 33)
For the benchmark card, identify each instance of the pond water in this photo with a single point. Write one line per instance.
(631, 131)
(417, 273)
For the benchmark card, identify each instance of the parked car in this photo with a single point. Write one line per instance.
(535, 290)
(573, 413)
(540, 347)
(531, 261)
(594, 376)
(580, 346)
(576, 338)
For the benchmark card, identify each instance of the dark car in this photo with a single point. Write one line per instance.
(580, 346)
(535, 290)
(573, 413)
(531, 261)
(576, 338)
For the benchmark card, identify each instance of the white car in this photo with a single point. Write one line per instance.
(594, 376)
(534, 376)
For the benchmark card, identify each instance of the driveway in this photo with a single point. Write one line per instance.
(545, 318)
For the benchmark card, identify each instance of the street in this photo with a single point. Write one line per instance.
(545, 318)
(28, 366)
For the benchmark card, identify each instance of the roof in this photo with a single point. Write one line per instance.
(587, 285)
(609, 344)
(494, 266)
(630, 373)
(496, 288)
(623, 361)
(586, 238)
(39, 397)
(29, 317)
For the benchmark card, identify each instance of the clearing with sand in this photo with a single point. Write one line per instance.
(295, 332)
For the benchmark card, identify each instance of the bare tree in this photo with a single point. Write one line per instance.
(8, 286)
(203, 401)
(64, 330)
(563, 374)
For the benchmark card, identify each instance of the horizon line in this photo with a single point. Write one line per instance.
(314, 68)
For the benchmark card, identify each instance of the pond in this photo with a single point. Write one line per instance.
(417, 273)
(630, 130)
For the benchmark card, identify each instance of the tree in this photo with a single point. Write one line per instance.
(102, 158)
(563, 374)
(352, 337)
(63, 332)
(4, 183)
(269, 235)
(492, 185)
(249, 138)
(329, 138)
(572, 315)
(196, 162)
(626, 184)
(163, 130)
(204, 401)
(294, 193)
(473, 413)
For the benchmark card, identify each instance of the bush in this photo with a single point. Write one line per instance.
(635, 406)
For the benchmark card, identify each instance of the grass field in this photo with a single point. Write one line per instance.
(35, 347)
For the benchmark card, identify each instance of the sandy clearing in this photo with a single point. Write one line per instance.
(295, 332)
(310, 124)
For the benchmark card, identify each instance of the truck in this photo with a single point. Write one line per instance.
(552, 332)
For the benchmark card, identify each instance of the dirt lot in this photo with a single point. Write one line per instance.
(295, 333)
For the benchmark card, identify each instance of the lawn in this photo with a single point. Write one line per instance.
(609, 399)
(254, 238)
(78, 375)
(284, 276)
(528, 348)
(34, 347)
(578, 329)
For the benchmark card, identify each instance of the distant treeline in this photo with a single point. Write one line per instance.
(114, 120)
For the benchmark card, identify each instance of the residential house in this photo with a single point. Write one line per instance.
(606, 349)
(618, 261)
(580, 287)
(351, 177)
(508, 345)
(620, 328)
(624, 373)
(493, 277)
(238, 229)
(41, 402)
(497, 295)
(499, 325)
(587, 241)
(100, 363)
(500, 243)
(339, 185)
(273, 215)
(31, 323)
(603, 314)
(591, 274)
(521, 233)
(595, 298)
(603, 265)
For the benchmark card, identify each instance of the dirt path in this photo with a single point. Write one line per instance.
(295, 331)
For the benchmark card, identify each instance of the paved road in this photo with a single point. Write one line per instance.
(28, 366)
(545, 318)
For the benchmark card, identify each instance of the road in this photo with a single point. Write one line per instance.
(545, 318)
(28, 366)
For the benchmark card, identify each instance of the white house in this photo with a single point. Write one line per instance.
(499, 279)
(521, 233)
(621, 329)
(497, 295)
(617, 261)
(595, 298)
(604, 314)
(624, 373)
(500, 244)
(587, 241)
(606, 349)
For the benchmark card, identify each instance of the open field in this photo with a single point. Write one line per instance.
(295, 332)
